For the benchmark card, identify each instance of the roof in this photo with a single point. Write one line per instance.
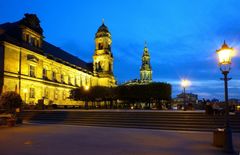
(102, 31)
(103, 28)
(11, 32)
(56, 52)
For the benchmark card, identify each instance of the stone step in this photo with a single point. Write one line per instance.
(186, 121)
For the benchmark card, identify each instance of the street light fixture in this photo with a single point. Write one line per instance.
(184, 83)
(86, 88)
(224, 57)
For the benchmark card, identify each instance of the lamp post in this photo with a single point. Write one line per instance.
(25, 94)
(224, 57)
(184, 83)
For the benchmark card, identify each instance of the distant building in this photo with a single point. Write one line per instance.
(37, 69)
(189, 98)
(234, 101)
(145, 71)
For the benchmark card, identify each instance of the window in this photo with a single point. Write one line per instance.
(80, 81)
(27, 38)
(32, 93)
(110, 67)
(100, 46)
(76, 81)
(44, 73)
(69, 80)
(46, 93)
(56, 94)
(37, 43)
(85, 81)
(90, 81)
(63, 95)
(32, 41)
(62, 78)
(32, 71)
(54, 76)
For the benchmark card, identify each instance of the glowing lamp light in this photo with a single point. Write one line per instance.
(185, 83)
(225, 54)
(25, 90)
(86, 88)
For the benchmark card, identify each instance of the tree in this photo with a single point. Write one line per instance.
(10, 101)
(129, 94)
(94, 94)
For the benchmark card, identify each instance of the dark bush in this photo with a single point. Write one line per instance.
(54, 106)
(10, 101)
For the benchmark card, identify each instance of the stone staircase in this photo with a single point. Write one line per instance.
(163, 120)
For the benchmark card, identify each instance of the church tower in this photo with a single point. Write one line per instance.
(103, 57)
(146, 70)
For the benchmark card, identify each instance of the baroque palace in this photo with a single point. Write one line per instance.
(38, 70)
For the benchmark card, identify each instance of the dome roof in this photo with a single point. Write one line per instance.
(103, 28)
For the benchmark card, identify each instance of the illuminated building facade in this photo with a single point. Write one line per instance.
(146, 69)
(38, 70)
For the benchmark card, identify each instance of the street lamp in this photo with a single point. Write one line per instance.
(224, 57)
(184, 83)
(25, 94)
(86, 88)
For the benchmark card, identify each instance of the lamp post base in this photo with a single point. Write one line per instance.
(228, 146)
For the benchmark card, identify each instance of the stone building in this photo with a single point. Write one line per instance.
(145, 70)
(38, 70)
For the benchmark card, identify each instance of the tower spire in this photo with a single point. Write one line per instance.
(102, 20)
(145, 43)
(146, 70)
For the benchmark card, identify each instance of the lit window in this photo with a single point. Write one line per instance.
(63, 95)
(32, 71)
(32, 93)
(56, 94)
(54, 76)
(44, 73)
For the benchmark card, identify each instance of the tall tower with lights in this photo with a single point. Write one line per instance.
(103, 57)
(146, 70)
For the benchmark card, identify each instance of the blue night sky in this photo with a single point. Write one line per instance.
(182, 36)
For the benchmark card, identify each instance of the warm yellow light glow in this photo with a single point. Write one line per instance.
(86, 88)
(25, 90)
(185, 83)
(225, 56)
(238, 108)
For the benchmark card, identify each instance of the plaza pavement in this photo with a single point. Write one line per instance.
(39, 139)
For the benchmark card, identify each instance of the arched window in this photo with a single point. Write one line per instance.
(100, 46)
